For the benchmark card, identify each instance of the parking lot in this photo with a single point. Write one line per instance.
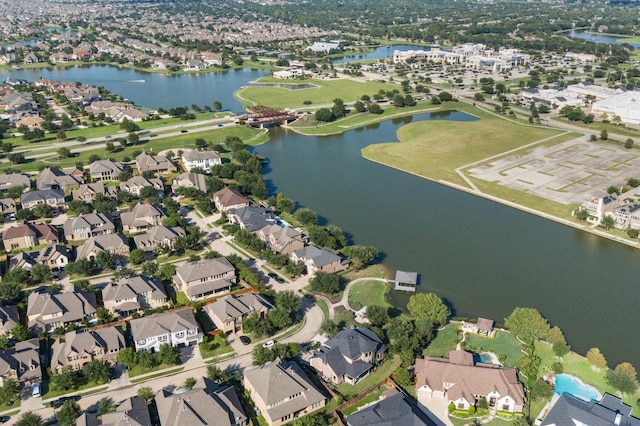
(567, 173)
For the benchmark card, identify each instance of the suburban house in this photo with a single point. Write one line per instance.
(571, 411)
(141, 217)
(228, 313)
(102, 170)
(393, 408)
(21, 363)
(87, 191)
(7, 206)
(349, 356)
(159, 236)
(55, 256)
(227, 199)
(460, 382)
(9, 317)
(52, 197)
(597, 207)
(116, 244)
(136, 183)
(282, 392)
(626, 216)
(9, 180)
(205, 277)
(46, 311)
(177, 328)
(190, 180)
(81, 347)
(154, 163)
(252, 218)
(282, 240)
(54, 178)
(129, 295)
(88, 225)
(206, 403)
(29, 235)
(319, 259)
(133, 411)
(201, 159)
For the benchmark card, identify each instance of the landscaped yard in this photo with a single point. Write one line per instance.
(323, 307)
(217, 346)
(504, 344)
(375, 377)
(374, 396)
(53, 393)
(139, 370)
(178, 298)
(367, 293)
(445, 341)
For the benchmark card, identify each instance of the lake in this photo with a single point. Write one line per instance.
(599, 38)
(380, 52)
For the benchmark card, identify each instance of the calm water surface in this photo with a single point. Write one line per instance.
(599, 38)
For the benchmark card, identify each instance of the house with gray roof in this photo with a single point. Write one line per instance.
(282, 392)
(205, 278)
(177, 328)
(284, 240)
(87, 192)
(393, 408)
(349, 356)
(54, 178)
(116, 244)
(9, 180)
(7, 206)
(55, 256)
(228, 313)
(227, 199)
(159, 236)
(9, 317)
(88, 225)
(154, 163)
(129, 295)
(201, 159)
(141, 217)
(21, 363)
(252, 218)
(133, 411)
(571, 411)
(319, 259)
(207, 403)
(103, 170)
(47, 311)
(52, 197)
(79, 347)
(190, 180)
(136, 183)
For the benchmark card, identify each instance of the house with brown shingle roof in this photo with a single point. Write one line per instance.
(142, 216)
(54, 178)
(46, 311)
(227, 199)
(55, 256)
(158, 237)
(78, 347)
(133, 294)
(283, 240)
(116, 244)
(136, 183)
(177, 328)
(88, 225)
(87, 192)
(459, 381)
(205, 278)
(9, 180)
(29, 235)
(154, 163)
(21, 363)
(102, 170)
(228, 313)
(7, 206)
(190, 180)
(282, 392)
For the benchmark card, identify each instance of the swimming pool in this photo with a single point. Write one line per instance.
(570, 385)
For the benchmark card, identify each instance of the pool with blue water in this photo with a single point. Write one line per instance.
(570, 385)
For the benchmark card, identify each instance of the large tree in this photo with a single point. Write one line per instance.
(30, 418)
(69, 413)
(430, 307)
(528, 324)
(623, 378)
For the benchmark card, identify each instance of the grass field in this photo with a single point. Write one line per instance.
(504, 344)
(434, 149)
(445, 341)
(367, 293)
(325, 92)
(382, 372)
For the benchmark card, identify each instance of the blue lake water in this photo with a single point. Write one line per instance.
(381, 52)
(599, 38)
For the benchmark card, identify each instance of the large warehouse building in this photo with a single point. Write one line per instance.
(625, 105)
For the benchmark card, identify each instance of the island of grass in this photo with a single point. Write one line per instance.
(436, 149)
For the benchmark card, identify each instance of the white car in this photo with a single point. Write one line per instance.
(35, 390)
(268, 344)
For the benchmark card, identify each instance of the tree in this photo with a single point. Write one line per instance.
(6, 147)
(360, 255)
(190, 382)
(445, 96)
(628, 143)
(582, 215)
(561, 348)
(279, 318)
(613, 190)
(64, 152)
(217, 105)
(375, 108)
(29, 418)
(429, 306)
(608, 222)
(528, 324)
(604, 135)
(555, 335)
(109, 147)
(377, 315)
(324, 115)
(398, 100)
(478, 97)
(256, 325)
(96, 371)
(68, 413)
(169, 355)
(128, 357)
(329, 328)
(541, 390)
(137, 256)
(288, 301)
(42, 210)
(623, 378)
(596, 358)
(104, 315)
(9, 291)
(19, 333)
(105, 405)
(64, 379)
(324, 282)
(146, 393)
(359, 106)
(40, 273)
(10, 390)
(146, 360)
(16, 158)
(61, 135)
(338, 108)
(104, 260)
(306, 216)
(217, 374)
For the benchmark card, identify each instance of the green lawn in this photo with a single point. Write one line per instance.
(217, 346)
(367, 293)
(374, 396)
(434, 149)
(178, 298)
(324, 92)
(375, 377)
(445, 341)
(323, 307)
(139, 370)
(53, 393)
(504, 344)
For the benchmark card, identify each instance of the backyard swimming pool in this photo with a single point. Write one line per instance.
(570, 385)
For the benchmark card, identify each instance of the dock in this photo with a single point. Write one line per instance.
(406, 281)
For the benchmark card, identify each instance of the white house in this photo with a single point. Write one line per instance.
(177, 328)
(201, 159)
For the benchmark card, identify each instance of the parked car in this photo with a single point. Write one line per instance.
(245, 340)
(183, 131)
(35, 390)
(4, 419)
(118, 265)
(268, 344)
